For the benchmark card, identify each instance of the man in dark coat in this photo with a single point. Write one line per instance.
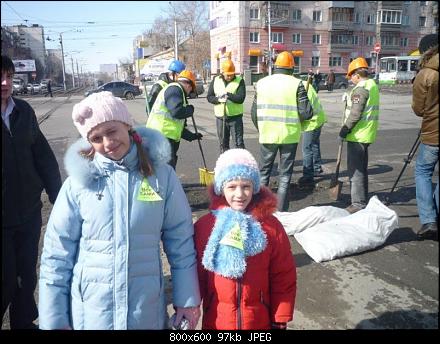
(330, 80)
(28, 167)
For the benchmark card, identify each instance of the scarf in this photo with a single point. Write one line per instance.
(235, 236)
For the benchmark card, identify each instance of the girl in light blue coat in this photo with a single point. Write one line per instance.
(101, 263)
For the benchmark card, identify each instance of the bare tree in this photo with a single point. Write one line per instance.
(192, 19)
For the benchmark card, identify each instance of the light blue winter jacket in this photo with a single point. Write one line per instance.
(101, 264)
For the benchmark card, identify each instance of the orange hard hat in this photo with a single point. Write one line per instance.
(188, 75)
(360, 62)
(285, 60)
(228, 67)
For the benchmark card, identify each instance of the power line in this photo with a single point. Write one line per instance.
(15, 11)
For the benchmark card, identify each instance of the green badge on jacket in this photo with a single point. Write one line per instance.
(233, 238)
(147, 194)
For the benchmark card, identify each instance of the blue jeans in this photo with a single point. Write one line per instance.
(427, 158)
(311, 153)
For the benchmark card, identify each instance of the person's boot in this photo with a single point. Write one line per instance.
(428, 231)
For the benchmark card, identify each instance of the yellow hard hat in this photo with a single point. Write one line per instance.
(285, 60)
(360, 62)
(188, 75)
(228, 67)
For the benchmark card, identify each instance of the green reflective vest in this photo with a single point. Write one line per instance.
(161, 119)
(229, 108)
(365, 130)
(277, 112)
(319, 116)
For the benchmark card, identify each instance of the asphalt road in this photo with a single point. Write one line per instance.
(394, 286)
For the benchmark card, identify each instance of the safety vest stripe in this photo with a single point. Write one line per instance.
(278, 119)
(277, 107)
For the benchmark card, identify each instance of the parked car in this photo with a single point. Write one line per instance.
(200, 88)
(118, 89)
(30, 88)
(37, 88)
(340, 80)
(18, 87)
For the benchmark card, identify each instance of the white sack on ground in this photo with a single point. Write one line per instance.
(296, 221)
(361, 231)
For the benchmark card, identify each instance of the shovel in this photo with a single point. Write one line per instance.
(335, 183)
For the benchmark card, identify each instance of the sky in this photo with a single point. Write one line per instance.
(94, 32)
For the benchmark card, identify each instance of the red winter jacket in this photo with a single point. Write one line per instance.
(266, 292)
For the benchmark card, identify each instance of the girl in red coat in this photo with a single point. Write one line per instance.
(247, 273)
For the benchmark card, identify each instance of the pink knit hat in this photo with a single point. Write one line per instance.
(99, 108)
(234, 164)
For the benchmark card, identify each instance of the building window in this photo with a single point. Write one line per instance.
(389, 40)
(369, 40)
(277, 37)
(254, 13)
(316, 39)
(335, 61)
(357, 18)
(390, 17)
(315, 61)
(404, 42)
(254, 37)
(422, 3)
(370, 18)
(296, 38)
(297, 61)
(422, 21)
(296, 15)
(355, 40)
(435, 23)
(405, 20)
(317, 16)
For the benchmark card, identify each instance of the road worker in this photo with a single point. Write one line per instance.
(359, 130)
(170, 111)
(227, 92)
(280, 105)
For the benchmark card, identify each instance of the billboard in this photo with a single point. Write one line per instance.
(156, 67)
(22, 66)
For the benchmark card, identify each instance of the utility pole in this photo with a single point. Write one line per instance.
(73, 73)
(269, 63)
(378, 32)
(62, 61)
(176, 51)
(77, 73)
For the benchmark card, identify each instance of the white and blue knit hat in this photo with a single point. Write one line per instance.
(233, 164)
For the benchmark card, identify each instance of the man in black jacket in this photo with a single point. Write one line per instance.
(28, 167)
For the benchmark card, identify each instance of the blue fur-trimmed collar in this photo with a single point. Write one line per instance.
(85, 171)
(229, 261)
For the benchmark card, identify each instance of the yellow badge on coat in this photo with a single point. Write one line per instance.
(147, 193)
(233, 238)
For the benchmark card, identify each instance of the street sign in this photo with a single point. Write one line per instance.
(377, 48)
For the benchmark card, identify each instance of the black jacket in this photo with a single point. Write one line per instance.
(28, 166)
(238, 97)
(156, 88)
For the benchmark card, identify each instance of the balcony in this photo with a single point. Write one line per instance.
(340, 26)
(392, 5)
(341, 4)
(386, 27)
(340, 47)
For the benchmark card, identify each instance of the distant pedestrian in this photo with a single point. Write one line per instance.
(330, 80)
(425, 104)
(49, 89)
(28, 166)
(317, 78)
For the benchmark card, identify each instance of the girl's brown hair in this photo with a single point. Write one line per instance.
(145, 167)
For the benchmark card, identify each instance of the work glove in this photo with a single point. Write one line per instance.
(278, 326)
(344, 132)
(189, 109)
(194, 136)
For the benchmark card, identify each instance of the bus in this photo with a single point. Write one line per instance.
(398, 69)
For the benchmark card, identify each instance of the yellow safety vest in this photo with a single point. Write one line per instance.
(277, 112)
(160, 117)
(319, 116)
(365, 130)
(162, 83)
(229, 108)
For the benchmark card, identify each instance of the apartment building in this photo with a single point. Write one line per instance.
(32, 38)
(321, 35)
